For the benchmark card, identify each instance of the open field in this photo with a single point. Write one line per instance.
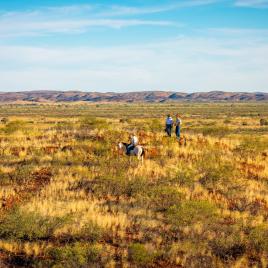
(68, 198)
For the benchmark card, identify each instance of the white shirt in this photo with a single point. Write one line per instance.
(134, 140)
(178, 121)
(169, 121)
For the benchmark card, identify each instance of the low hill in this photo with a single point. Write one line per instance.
(144, 96)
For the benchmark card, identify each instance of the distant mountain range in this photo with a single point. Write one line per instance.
(144, 96)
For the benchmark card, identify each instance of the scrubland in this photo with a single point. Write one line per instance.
(69, 198)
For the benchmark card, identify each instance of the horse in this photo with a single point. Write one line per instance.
(137, 151)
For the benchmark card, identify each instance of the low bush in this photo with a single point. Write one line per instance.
(156, 125)
(259, 238)
(116, 186)
(21, 175)
(190, 212)
(93, 122)
(161, 198)
(253, 145)
(100, 149)
(185, 177)
(216, 172)
(140, 255)
(14, 126)
(228, 248)
(90, 232)
(29, 225)
(64, 125)
(219, 131)
(74, 255)
(5, 178)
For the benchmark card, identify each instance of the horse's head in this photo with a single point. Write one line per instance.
(120, 145)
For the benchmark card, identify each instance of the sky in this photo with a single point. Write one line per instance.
(134, 45)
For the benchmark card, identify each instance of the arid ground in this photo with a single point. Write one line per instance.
(69, 198)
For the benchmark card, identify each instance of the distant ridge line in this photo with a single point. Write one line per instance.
(138, 96)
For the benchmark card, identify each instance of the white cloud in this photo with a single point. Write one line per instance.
(252, 3)
(180, 64)
(119, 10)
(70, 9)
(30, 28)
(80, 18)
(212, 59)
(66, 19)
(263, 32)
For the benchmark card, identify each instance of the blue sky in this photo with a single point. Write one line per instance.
(193, 45)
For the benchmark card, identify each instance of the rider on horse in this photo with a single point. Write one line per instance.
(133, 143)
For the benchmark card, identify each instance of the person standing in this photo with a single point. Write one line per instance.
(169, 125)
(178, 126)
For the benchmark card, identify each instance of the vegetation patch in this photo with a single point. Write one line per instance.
(190, 212)
(70, 198)
(29, 226)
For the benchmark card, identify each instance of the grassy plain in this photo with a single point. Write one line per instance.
(68, 198)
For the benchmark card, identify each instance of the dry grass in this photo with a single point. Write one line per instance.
(68, 197)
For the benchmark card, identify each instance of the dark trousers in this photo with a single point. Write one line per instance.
(130, 147)
(169, 130)
(178, 131)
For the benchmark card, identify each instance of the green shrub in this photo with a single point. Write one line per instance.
(14, 126)
(220, 173)
(21, 174)
(190, 212)
(219, 131)
(140, 255)
(161, 198)
(93, 122)
(75, 255)
(229, 252)
(29, 225)
(216, 172)
(90, 232)
(4, 178)
(64, 125)
(185, 177)
(253, 145)
(229, 245)
(116, 186)
(100, 149)
(259, 238)
(156, 125)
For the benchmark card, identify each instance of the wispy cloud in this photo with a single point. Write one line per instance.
(120, 10)
(31, 28)
(236, 58)
(252, 3)
(80, 18)
(237, 63)
(240, 31)
(69, 19)
(70, 8)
